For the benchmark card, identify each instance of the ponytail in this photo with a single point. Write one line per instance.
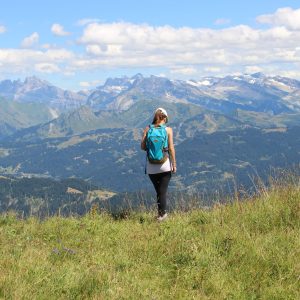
(159, 116)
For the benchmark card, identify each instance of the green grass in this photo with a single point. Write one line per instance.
(245, 250)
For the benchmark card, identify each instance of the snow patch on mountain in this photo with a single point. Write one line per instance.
(114, 89)
(199, 83)
(281, 85)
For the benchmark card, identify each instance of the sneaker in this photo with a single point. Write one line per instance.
(162, 218)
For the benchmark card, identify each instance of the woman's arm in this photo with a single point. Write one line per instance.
(143, 142)
(171, 149)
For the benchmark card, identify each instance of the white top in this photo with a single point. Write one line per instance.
(158, 168)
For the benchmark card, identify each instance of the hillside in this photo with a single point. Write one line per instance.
(15, 116)
(246, 250)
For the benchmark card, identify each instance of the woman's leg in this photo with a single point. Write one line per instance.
(155, 180)
(162, 192)
(161, 182)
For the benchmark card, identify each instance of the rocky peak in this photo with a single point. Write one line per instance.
(34, 81)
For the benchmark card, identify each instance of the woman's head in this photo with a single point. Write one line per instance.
(160, 115)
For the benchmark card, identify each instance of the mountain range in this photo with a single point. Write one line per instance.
(255, 92)
(35, 101)
(226, 130)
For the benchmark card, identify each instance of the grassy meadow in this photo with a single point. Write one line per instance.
(243, 250)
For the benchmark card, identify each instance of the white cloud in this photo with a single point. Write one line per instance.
(30, 60)
(2, 29)
(58, 30)
(212, 69)
(291, 74)
(277, 33)
(126, 44)
(108, 50)
(59, 55)
(84, 84)
(184, 70)
(185, 50)
(30, 41)
(286, 16)
(94, 49)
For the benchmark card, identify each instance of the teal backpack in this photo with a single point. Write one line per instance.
(157, 144)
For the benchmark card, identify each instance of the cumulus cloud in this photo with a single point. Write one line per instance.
(126, 44)
(30, 41)
(29, 60)
(58, 30)
(286, 16)
(2, 29)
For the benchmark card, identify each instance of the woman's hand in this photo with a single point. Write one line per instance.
(174, 169)
(143, 141)
(171, 149)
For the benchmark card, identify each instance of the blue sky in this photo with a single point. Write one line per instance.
(78, 44)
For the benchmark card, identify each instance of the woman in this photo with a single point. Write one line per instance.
(160, 173)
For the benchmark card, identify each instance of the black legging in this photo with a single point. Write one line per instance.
(161, 182)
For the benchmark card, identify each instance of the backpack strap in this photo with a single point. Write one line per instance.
(166, 144)
(146, 164)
